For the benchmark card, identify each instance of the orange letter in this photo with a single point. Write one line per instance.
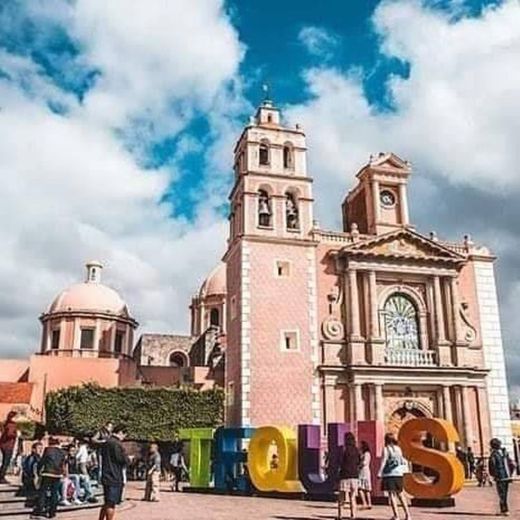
(283, 478)
(449, 468)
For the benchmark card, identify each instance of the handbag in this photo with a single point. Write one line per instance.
(392, 462)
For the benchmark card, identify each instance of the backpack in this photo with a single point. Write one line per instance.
(393, 461)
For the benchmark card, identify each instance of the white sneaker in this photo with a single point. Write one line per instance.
(78, 502)
(64, 503)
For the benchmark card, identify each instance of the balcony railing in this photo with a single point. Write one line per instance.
(410, 357)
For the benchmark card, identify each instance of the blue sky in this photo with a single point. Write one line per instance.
(118, 122)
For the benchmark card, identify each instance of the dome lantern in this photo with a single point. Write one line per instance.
(93, 271)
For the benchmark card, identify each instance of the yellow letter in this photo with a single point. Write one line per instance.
(284, 478)
(449, 468)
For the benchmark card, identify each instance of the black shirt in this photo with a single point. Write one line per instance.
(350, 462)
(52, 462)
(113, 460)
(72, 465)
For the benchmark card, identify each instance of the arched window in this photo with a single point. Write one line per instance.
(264, 153)
(264, 209)
(287, 156)
(214, 317)
(291, 212)
(401, 322)
(177, 360)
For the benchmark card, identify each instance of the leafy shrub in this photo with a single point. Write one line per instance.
(147, 413)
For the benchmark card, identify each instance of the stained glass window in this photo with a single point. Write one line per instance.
(401, 323)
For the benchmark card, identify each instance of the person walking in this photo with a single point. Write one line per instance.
(177, 463)
(153, 474)
(51, 469)
(113, 461)
(7, 444)
(501, 468)
(348, 474)
(463, 457)
(393, 467)
(470, 456)
(365, 477)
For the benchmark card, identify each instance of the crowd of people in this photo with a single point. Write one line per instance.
(57, 473)
(65, 473)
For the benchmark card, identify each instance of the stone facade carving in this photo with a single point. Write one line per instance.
(470, 332)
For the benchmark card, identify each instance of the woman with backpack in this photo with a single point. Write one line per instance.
(393, 468)
(501, 468)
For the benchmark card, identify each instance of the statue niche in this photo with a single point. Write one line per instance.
(291, 212)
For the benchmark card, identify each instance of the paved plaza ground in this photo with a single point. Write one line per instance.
(473, 503)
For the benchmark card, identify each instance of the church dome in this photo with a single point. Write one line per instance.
(91, 295)
(215, 283)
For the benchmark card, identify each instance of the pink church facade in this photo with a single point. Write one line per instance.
(373, 322)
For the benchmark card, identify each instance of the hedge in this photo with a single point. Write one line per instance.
(147, 413)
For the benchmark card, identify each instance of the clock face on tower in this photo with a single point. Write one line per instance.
(387, 198)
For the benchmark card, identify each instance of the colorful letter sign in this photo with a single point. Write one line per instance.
(449, 468)
(284, 478)
(309, 456)
(228, 456)
(298, 466)
(200, 454)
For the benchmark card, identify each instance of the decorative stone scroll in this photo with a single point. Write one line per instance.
(470, 332)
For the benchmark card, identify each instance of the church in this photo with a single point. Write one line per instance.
(372, 322)
(299, 324)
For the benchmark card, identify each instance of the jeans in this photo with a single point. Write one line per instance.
(48, 496)
(502, 490)
(152, 490)
(7, 455)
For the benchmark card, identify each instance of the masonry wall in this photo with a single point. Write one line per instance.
(283, 383)
(234, 316)
(498, 398)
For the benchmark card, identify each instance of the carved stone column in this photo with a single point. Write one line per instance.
(354, 303)
(467, 422)
(442, 345)
(359, 405)
(329, 397)
(375, 199)
(374, 308)
(379, 402)
(404, 204)
(446, 403)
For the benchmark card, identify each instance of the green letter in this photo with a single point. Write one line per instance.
(200, 454)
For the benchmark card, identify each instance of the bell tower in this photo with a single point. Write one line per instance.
(271, 286)
(379, 202)
(272, 196)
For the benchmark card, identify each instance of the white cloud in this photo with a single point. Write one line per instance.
(456, 113)
(455, 118)
(318, 42)
(72, 191)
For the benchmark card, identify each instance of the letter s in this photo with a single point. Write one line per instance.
(449, 468)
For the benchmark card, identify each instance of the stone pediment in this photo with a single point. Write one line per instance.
(389, 161)
(403, 243)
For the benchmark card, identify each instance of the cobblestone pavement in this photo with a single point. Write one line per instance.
(473, 503)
